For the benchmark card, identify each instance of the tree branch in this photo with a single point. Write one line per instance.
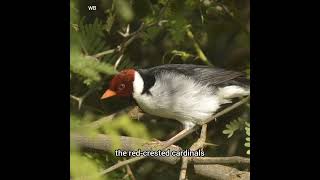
(104, 143)
(204, 166)
(220, 172)
(220, 160)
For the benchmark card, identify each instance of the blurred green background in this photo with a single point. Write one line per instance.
(143, 33)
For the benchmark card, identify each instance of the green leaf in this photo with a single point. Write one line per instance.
(74, 12)
(247, 144)
(110, 22)
(163, 2)
(234, 126)
(177, 29)
(125, 124)
(88, 67)
(91, 36)
(229, 132)
(247, 131)
(81, 166)
(124, 10)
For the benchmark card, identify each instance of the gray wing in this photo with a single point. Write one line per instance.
(204, 74)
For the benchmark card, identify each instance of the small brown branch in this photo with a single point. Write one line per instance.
(195, 146)
(110, 51)
(220, 172)
(83, 97)
(138, 30)
(120, 164)
(220, 160)
(118, 61)
(129, 172)
(184, 166)
(128, 39)
(74, 97)
(126, 33)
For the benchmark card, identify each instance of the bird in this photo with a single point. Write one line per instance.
(187, 93)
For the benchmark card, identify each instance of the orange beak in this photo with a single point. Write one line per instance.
(108, 93)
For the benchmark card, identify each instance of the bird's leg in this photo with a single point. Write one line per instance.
(179, 136)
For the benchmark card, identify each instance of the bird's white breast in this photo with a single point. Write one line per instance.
(177, 97)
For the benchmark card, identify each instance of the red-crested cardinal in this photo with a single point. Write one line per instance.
(187, 93)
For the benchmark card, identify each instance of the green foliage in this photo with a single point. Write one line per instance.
(242, 124)
(233, 126)
(124, 10)
(247, 144)
(86, 41)
(91, 36)
(177, 28)
(128, 126)
(88, 68)
(74, 12)
(82, 166)
(110, 20)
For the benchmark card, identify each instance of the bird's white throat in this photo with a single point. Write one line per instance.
(138, 84)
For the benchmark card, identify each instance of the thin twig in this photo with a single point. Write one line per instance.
(110, 51)
(184, 166)
(126, 33)
(128, 39)
(74, 97)
(201, 54)
(220, 160)
(199, 144)
(122, 163)
(129, 172)
(118, 62)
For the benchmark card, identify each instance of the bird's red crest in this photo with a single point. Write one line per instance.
(121, 84)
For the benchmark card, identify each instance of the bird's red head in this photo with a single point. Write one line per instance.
(121, 84)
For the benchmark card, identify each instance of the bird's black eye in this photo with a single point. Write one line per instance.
(121, 87)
